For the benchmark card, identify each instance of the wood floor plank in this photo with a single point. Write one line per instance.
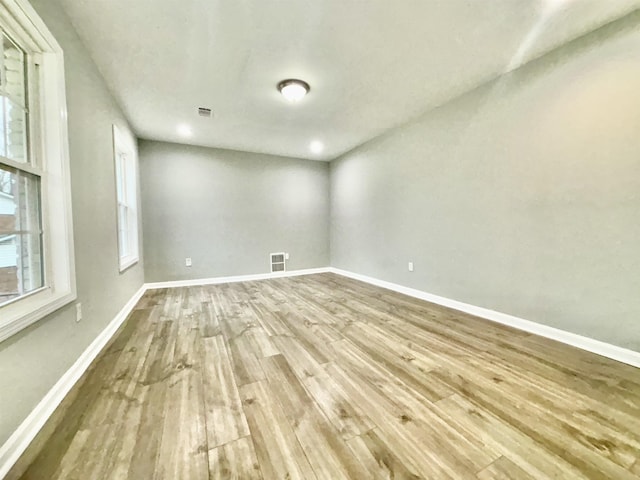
(100, 442)
(235, 460)
(267, 311)
(209, 322)
(379, 458)
(552, 379)
(393, 426)
(527, 453)
(302, 361)
(414, 421)
(503, 469)
(183, 447)
(68, 464)
(325, 377)
(326, 451)
(529, 388)
(146, 454)
(347, 417)
(261, 343)
(403, 361)
(245, 362)
(123, 450)
(183, 451)
(303, 330)
(277, 448)
(224, 416)
(542, 429)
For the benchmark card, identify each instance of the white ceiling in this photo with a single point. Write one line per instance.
(372, 64)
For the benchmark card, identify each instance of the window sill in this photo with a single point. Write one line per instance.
(24, 312)
(126, 263)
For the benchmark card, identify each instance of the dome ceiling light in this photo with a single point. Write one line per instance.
(293, 90)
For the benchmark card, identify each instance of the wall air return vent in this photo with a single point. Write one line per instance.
(278, 262)
(204, 112)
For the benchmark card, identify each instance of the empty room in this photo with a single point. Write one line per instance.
(331, 239)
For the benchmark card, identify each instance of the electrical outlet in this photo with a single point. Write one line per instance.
(410, 266)
(187, 261)
(78, 312)
(286, 256)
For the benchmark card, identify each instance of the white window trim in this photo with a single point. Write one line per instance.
(60, 287)
(121, 145)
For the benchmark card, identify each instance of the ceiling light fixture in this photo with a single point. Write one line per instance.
(293, 90)
(185, 130)
(316, 147)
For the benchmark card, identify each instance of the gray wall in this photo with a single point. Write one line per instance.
(33, 360)
(228, 210)
(522, 196)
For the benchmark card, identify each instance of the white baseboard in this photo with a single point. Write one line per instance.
(15, 446)
(613, 352)
(235, 278)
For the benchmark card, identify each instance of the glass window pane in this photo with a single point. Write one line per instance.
(8, 268)
(30, 268)
(16, 131)
(27, 191)
(120, 178)
(3, 138)
(8, 201)
(123, 230)
(21, 259)
(14, 71)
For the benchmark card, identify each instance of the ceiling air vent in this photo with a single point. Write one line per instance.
(204, 112)
(277, 262)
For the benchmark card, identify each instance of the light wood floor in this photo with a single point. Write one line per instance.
(321, 377)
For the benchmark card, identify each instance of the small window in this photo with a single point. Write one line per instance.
(36, 234)
(21, 262)
(127, 200)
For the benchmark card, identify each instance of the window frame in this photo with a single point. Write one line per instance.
(49, 154)
(129, 190)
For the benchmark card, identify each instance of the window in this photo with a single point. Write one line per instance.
(36, 235)
(21, 260)
(127, 201)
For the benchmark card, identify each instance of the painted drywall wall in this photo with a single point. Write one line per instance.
(228, 210)
(522, 196)
(33, 360)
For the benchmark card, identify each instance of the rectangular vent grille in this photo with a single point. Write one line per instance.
(204, 112)
(277, 262)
